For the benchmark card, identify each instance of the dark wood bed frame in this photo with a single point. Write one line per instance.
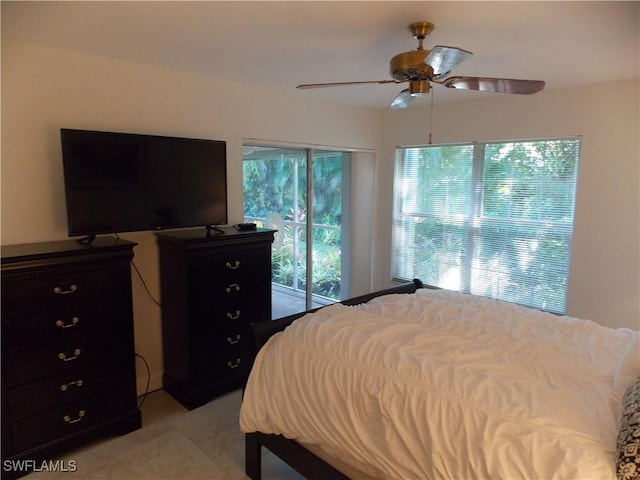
(298, 457)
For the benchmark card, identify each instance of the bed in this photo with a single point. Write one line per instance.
(421, 383)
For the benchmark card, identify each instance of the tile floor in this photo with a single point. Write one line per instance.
(173, 443)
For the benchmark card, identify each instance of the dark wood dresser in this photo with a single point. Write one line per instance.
(212, 288)
(68, 359)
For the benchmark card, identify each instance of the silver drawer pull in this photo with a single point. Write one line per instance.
(61, 324)
(233, 316)
(233, 341)
(234, 365)
(64, 358)
(235, 265)
(69, 420)
(59, 291)
(233, 287)
(65, 386)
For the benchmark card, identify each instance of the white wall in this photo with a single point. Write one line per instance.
(45, 89)
(604, 283)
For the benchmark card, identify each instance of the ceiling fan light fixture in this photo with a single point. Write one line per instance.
(419, 88)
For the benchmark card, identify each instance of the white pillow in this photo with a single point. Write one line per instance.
(628, 368)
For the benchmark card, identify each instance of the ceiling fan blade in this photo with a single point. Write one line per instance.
(442, 59)
(499, 85)
(342, 84)
(402, 100)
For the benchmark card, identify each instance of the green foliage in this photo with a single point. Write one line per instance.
(274, 180)
(326, 268)
(268, 186)
(528, 180)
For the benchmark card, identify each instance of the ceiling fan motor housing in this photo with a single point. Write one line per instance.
(410, 66)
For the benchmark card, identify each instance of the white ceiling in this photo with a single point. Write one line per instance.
(283, 44)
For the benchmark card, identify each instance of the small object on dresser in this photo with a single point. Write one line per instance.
(245, 226)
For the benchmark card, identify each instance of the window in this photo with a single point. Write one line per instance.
(302, 193)
(492, 219)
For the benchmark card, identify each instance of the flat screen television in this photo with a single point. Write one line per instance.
(124, 182)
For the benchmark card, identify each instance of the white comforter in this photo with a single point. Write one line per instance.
(444, 385)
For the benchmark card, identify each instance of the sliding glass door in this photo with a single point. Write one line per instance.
(302, 193)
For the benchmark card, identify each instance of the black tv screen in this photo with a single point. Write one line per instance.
(124, 182)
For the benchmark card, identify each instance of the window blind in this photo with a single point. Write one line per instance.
(492, 219)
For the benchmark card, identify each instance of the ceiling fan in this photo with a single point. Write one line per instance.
(420, 67)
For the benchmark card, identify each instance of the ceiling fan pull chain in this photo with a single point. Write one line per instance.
(431, 118)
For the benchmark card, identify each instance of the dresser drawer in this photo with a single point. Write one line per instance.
(230, 275)
(231, 343)
(240, 301)
(38, 397)
(25, 330)
(221, 351)
(69, 419)
(65, 290)
(221, 340)
(229, 312)
(62, 358)
(212, 366)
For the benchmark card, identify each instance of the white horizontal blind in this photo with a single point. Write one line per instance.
(493, 219)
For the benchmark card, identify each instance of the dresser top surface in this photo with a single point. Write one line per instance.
(197, 236)
(28, 251)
